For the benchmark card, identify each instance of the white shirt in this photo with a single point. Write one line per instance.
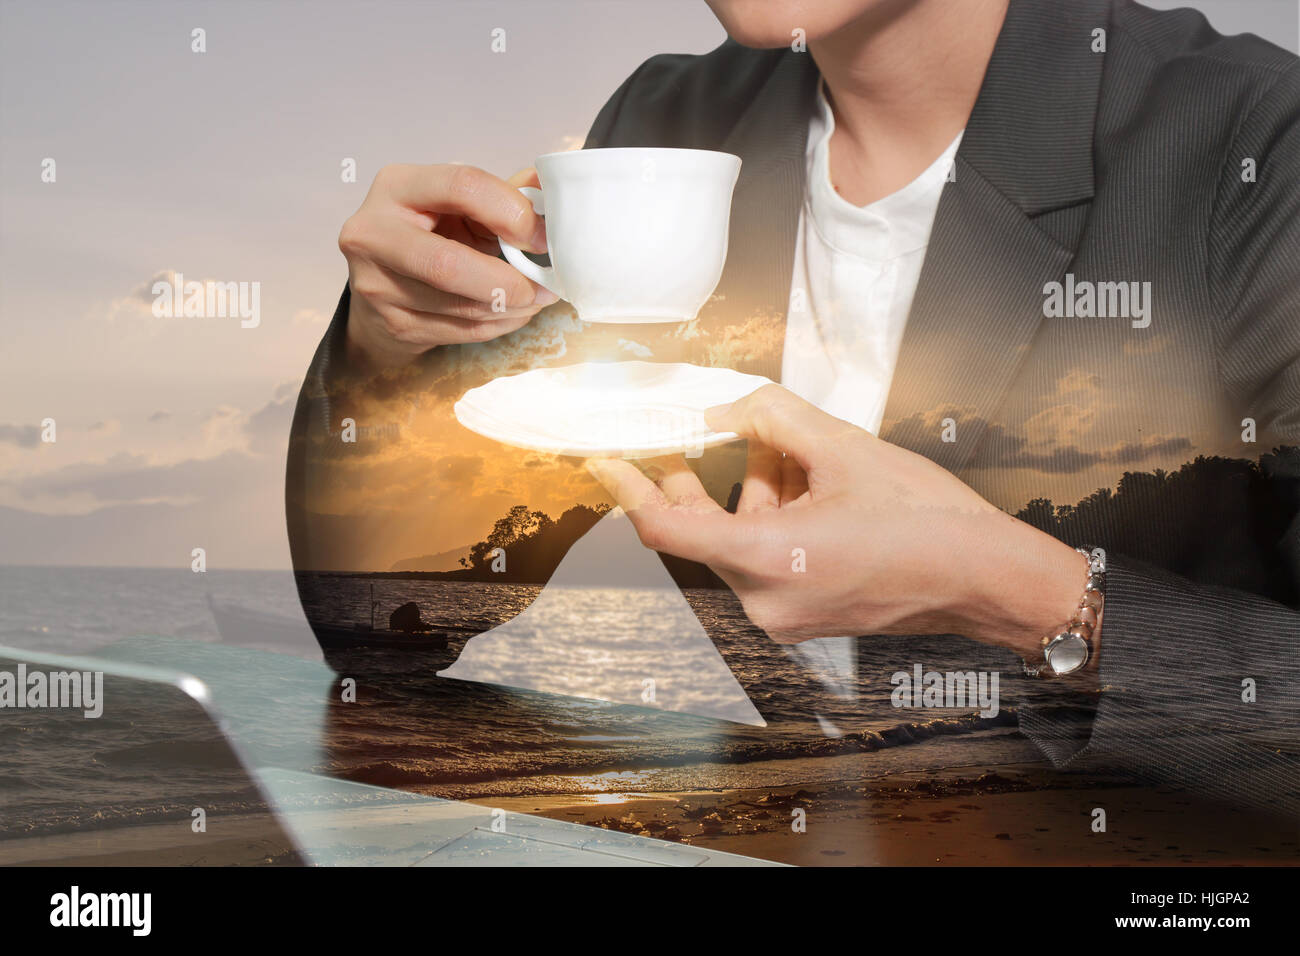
(855, 273)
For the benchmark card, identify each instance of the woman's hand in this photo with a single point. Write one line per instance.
(840, 533)
(422, 266)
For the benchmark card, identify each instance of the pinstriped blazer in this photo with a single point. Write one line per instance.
(1154, 151)
(1128, 165)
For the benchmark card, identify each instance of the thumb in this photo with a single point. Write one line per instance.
(525, 177)
(782, 420)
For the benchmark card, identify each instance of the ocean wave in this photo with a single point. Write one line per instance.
(213, 752)
(47, 819)
(583, 758)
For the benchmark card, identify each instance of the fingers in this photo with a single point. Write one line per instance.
(473, 193)
(443, 263)
(425, 329)
(772, 480)
(424, 260)
(469, 232)
(690, 530)
(525, 177)
(380, 284)
(680, 485)
(794, 481)
(761, 490)
(782, 420)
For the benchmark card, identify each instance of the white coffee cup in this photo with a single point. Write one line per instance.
(634, 234)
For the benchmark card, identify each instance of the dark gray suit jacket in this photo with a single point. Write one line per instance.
(1128, 165)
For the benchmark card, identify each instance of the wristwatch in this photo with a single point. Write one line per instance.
(1068, 651)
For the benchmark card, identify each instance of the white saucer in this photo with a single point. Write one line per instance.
(606, 409)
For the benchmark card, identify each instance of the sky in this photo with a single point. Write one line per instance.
(170, 432)
(225, 165)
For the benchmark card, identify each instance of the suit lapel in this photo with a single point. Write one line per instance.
(976, 310)
(1027, 150)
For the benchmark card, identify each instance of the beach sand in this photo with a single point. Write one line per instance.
(1003, 816)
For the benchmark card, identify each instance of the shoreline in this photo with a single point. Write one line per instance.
(995, 815)
(1006, 815)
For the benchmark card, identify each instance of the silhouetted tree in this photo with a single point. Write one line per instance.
(533, 541)
(1216, 520)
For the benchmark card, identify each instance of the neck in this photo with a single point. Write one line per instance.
(902, 80)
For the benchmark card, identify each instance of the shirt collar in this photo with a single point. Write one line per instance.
(891, 226)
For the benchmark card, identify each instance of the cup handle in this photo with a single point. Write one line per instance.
(542, 275)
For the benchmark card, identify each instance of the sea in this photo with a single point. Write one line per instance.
(386, 719)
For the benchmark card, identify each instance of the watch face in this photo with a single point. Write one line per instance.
(1066, 654)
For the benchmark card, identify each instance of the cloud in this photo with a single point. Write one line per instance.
(1146, 345)
(127, 477)
(309, 317)
(135, 509)
(241, 448)
(1077, 380)
(458, 470)
(138, 303)
(222, 425)
(1051, 448)
(1058, 440)
(144, 292)
(1059, 425)
(739, 344)
(1131, 453)
(1014, 451)
(267, 429)
(636, 348)
(24, 436)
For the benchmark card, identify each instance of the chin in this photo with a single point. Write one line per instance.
(768, 24)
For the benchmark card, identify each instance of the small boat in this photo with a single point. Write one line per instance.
(359, 636)
(239, 625)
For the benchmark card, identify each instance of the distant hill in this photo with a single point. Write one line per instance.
(534, 544)
(1223, 519)
(442, 561)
